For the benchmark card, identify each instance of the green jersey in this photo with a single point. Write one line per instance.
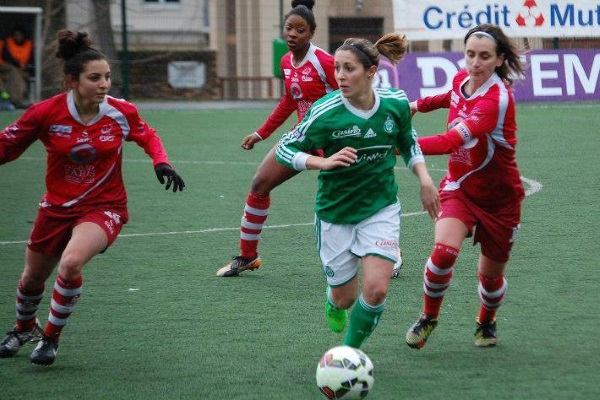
(348, 195)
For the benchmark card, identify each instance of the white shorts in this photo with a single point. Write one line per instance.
(342, 246)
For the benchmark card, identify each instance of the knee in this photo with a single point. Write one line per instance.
(258, 186)
(262, 184)
(343, 299)
(375, 295)
(70, 266)
(33, 280)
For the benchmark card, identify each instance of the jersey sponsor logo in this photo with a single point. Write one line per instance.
(10, 131)
(114, 219)
(83, 153)
(350, 132)
(373, 156)
(106, 134)
(386, 243)
(303, 107)
(106, 129)
(462, 155)
(296, 91)
(389, 124)
(60, 128)
(295, 135)
(370, 134)
(454, 98)
(109, 225)
(306, 74)
(106, 138)
(85, 138)
(80, 174)
(114, 216)
(463, 131)
(63, 131)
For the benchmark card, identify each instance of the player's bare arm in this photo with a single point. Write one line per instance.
(343, 158)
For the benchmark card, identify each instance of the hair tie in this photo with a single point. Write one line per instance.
(362, 52)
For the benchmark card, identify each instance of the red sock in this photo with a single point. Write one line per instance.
(28, 302)
(437, 277)
(64, 297)
(491, 294)
(255, 215)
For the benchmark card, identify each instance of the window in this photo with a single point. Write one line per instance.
(342, 28)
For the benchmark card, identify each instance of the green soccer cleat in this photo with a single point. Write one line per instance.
(485, 334)
(336, 318)
(237, 265)
(418, 334)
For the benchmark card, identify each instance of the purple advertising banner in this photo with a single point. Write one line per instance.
(550, 75)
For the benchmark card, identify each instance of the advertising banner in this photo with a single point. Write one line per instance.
(451, 19)
(551, 75)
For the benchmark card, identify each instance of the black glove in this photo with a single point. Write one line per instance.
(173, 178)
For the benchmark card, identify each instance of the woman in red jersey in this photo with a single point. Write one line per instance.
(482, 192)
(309, 75)
(85, 205)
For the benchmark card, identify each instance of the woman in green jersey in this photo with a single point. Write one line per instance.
(357, 208)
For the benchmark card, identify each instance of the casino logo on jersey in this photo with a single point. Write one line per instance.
(344, 133)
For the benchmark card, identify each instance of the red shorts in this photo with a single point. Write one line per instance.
(52, 229)
(496, 232)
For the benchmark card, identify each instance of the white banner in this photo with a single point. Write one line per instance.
(451, 19)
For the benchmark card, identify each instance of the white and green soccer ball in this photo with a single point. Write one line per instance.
(345, 373)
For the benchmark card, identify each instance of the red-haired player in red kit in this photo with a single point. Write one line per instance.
(85, 204)
(309, 74)
(482, 192)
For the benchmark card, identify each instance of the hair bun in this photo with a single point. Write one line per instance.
(307, 3)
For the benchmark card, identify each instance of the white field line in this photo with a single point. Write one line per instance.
(533, 187)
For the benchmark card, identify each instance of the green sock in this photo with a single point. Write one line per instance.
(363, 320)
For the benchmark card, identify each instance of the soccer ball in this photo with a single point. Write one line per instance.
(345, 373)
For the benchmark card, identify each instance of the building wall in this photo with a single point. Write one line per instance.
(172, 27)
(239, 32)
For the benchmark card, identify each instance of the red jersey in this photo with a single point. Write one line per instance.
(311, 79)
(481, 140)
(84, 160)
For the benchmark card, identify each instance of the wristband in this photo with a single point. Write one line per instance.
(260, 137)
(299, 161)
